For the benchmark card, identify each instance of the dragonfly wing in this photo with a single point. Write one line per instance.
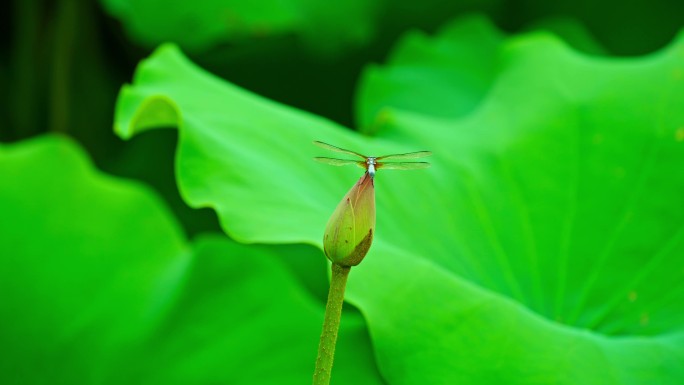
(339, 162)
(403, 165)
(337, 149)
(409, 155)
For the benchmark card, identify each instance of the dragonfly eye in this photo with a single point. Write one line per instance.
(370, 161)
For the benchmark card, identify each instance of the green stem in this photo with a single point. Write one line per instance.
(331, 325)
(62, 55)
(24, 76)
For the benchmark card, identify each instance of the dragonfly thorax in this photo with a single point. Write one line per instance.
(370, 166)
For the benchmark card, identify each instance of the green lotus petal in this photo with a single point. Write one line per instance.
(349, 233)
(100, 287)
(199, 25)
(541, 247)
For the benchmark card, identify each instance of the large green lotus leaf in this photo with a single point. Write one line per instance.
(241, 318)
(169, 90)
(100, 286)
(446, 75)
(86, 263)
(199, 25)
(576, 194)
(541, 247)
(572, 32)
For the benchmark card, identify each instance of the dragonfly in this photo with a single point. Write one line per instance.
(373, 163)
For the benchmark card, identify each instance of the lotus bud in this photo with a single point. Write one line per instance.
(349, 232)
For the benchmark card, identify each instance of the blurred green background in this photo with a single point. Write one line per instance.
(62, 64)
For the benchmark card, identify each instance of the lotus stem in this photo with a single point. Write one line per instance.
(331, 325)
